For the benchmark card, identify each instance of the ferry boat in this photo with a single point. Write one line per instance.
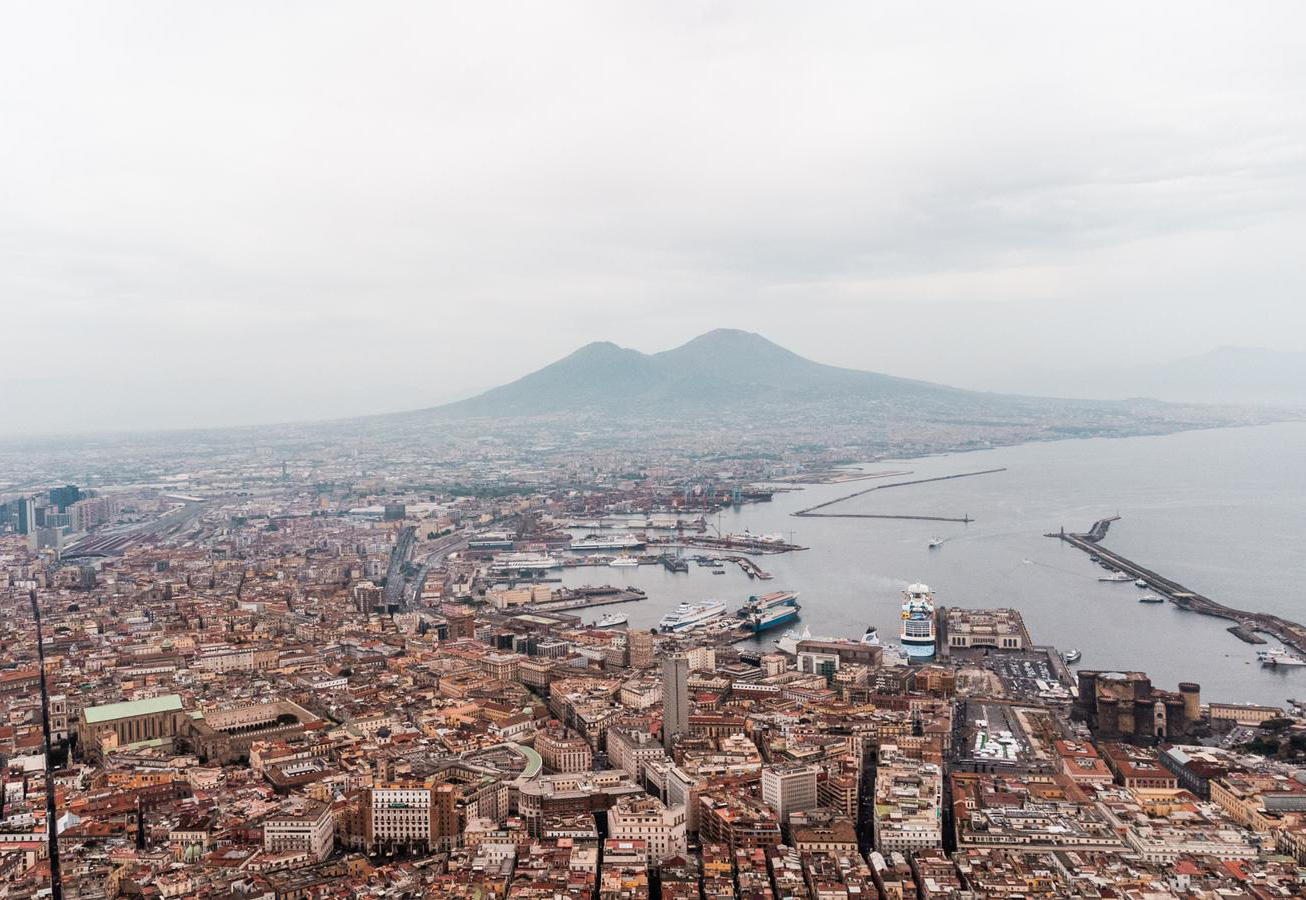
(691, 615)
(525, 562)
(1115, 577)
(612, 620)
(608, 542)
(1072, 656)
(623, 560)
(760, 620)
(872, 637)
(1279, 657)
(918, 623)
(1151, 598)
(766, 601)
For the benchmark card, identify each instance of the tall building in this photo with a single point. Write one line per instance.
(789, 789)
(26, 515)
(675, 697)
(640, 645)
(64, 497)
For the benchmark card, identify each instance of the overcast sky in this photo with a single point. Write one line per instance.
(216, 213)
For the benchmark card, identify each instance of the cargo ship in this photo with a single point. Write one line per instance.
(919, 628)
(691, 615)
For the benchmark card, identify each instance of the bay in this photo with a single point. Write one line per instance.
(1222, 511)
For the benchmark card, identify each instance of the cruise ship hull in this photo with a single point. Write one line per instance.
(918, 652)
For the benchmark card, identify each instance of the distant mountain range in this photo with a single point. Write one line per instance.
(720, 368)
(738, 392)
(1235, 375)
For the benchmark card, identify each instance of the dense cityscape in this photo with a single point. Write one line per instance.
(359, 675)
(652, 451)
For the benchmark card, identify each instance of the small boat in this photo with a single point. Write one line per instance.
(718, 571)
(1093, 557)
(936, 542)
(1115, 577)
(1151, 598)
(1072, 656)
(1140, 583)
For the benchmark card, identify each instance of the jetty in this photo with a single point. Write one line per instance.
(1248, 626)
(749, 568)
(812, 511)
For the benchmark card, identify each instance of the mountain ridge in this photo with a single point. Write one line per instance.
(720, 366)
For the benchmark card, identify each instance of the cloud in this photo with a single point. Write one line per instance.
(435, 194)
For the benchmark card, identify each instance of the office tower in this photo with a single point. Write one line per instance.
(64, 497)
(789, 789)
(675, 697)
(26, 515)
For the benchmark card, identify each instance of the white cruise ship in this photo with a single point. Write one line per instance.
(608, 542)
(525, 562)
(691, 615)
(918, 623)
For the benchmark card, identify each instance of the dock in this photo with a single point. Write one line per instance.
(586, 598)
(749, 568)
(1248, 626)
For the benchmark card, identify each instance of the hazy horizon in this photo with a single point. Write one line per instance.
(247, 214)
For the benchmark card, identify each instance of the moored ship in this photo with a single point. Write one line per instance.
(1279, 657)
(766, 601)
(608, 542)
(919, 628)
(760, 620)
(525, 562)
(691, 615)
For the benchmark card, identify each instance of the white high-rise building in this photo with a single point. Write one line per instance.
(789, 789)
